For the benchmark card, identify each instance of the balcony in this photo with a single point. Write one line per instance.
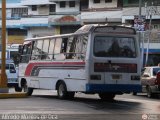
(11, 23)
(27, 21)
(36, 21)
(64, 19)
(113, 16)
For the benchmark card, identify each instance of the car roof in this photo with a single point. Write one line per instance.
(153, 67)
(7, 61)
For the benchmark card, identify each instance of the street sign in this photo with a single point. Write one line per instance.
(139, 22)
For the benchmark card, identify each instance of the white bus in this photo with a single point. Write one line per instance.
(94, 59)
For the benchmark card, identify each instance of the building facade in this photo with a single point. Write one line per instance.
(35, 18)
(150, 12)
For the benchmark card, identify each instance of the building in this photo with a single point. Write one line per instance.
(152, 43)
(13, 13)
(66, 17)
(34, 18)
(101, 11)
(36, 21)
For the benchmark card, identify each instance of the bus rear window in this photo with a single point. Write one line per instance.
(111, 46)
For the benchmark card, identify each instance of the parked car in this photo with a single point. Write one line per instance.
(150, 80)
(12, 75)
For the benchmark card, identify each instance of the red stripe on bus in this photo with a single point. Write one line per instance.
(32, 65)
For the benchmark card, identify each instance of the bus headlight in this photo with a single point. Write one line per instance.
(135, 77)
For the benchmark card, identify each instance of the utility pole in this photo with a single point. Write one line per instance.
(3, 77)
(150, 26)
(140, 8)
(141, 42)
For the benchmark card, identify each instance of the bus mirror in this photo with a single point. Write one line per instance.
(20, 49)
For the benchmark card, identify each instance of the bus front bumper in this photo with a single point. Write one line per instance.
(116, 88)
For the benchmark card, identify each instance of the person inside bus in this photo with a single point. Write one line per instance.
(127, 52)
(114, 50)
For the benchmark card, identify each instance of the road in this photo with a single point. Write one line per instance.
(86, 107)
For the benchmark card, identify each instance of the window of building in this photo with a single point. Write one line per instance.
(72, 3)
(108, 1)
(52, 8)
(62, 4)
(133, 1)
(34, 8)
(156, 26)
(96, 1)
(19, 12)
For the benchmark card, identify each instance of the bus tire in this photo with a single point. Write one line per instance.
(27, 89)
(62, 90)
(18, 89)
(107, 96)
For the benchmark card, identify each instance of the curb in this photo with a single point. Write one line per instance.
(12, 95)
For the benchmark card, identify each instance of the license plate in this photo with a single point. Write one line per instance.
(116, 77)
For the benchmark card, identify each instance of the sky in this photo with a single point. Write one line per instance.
(12, 1)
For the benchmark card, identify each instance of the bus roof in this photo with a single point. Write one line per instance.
(93, 28)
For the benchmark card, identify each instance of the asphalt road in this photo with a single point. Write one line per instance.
(44, 104)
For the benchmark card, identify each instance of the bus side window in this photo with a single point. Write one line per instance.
(71, 48)
(59, 49)
(84, 40)
(64, 45)
(37, 50)
(45, 50)
(51, 48)
(26, 53)
(77, 47)
(20, 49)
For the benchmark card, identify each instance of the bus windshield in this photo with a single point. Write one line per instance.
(112, 46)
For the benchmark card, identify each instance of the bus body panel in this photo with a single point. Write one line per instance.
(45, 75)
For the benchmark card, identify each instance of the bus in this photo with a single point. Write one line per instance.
(11, 52)
(96, 59)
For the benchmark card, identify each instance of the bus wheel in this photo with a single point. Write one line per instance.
(28, 90)
(107, 96)
(62, 90)
(18, 89)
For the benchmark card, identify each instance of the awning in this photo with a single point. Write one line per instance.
(14, 5)
(36, 2)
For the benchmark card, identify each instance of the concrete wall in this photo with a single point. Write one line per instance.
(40, 10)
